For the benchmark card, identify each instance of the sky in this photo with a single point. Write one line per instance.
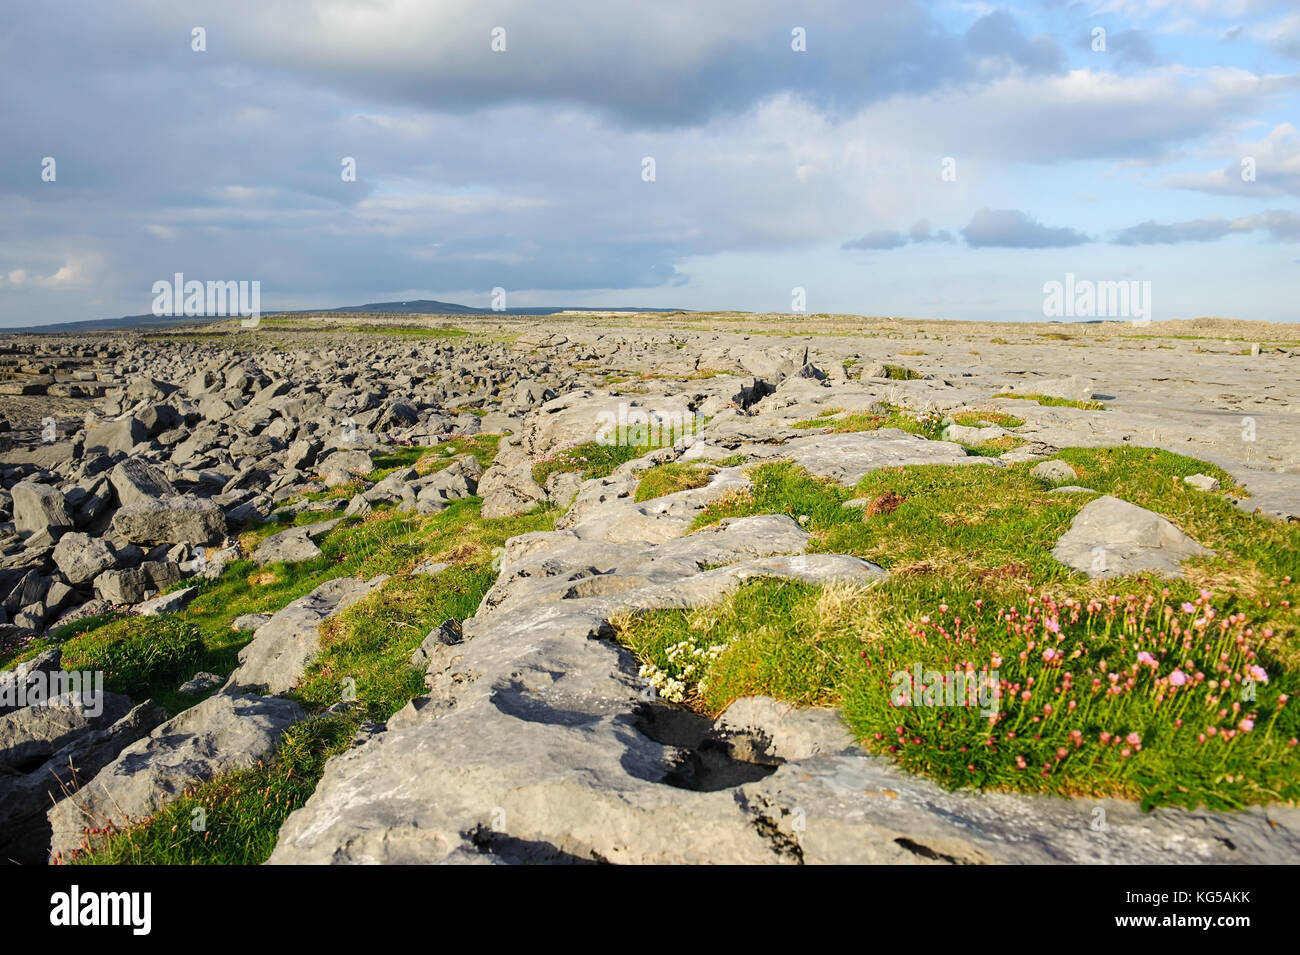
(887, 157)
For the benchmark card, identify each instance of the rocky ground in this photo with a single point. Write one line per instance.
(139, 469)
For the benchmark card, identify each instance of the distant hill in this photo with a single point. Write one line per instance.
(426, 306)
(421, 306)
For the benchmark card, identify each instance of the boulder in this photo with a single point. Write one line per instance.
(200, 683)
(1071, 388)
(249, 621)
(970, 435)
(1111, 537)
(39, 507)
(117, 436)
(171, 520)
(31, 735)
(344, 466)
(19, 685)
(134, 584)
(293, 545)
(136, 481)
(508, 488)
(81, 557)
(27, 792)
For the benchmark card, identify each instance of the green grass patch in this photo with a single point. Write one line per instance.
(977, 419)
(901, 373)
(370, 644)
(596, 459)
(995, 447)
(669, 479)
(1084, 699)
(1050, 402)
(427, 460)
(926, 424)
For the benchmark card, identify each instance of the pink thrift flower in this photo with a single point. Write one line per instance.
(1246, 725)
(1259, 673)
(1133, 739)
(1178, 678)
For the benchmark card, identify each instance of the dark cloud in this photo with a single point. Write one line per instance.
(998, 36)
(921, 232)
(1155, 233)
(882, 239)
(668, 63)
(1013, 229)
(1281, 226)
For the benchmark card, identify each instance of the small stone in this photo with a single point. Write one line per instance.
(249, 621)
(358, 507)
(202, 682)
(1202, 482)
(167, 603)
(1054, 472)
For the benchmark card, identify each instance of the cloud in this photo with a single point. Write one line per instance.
(668, 63)
(1283, 35)
(1274, 167)
(882, 239)
(997, 36)
(921, 232)
(1281, 225)
(1012, 229)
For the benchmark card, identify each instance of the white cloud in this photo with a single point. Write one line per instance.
(1276, 169)
(78, 271)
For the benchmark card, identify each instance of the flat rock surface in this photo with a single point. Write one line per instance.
(848, 458)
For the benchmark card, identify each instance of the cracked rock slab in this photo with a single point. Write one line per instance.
(848, 458)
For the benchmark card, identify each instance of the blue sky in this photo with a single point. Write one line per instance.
(774, 168)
